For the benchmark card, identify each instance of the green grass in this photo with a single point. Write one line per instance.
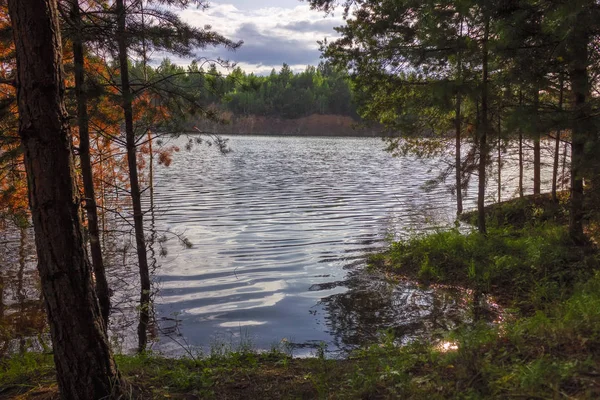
(527, 268)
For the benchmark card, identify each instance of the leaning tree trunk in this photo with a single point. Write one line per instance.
(537, 153)
(138, 215)
(483, 131)
(102, 289)
(84, 363)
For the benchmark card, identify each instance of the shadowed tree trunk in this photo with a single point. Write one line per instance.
(580, 86)
(458, 122)
(521, 167)
(483, 129)
(499, 158)
(458, 127)
(102, 289)
(84, 364)
(557, 142)
(138, 215)
(537, 153)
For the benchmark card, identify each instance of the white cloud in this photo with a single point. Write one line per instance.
(271, 35)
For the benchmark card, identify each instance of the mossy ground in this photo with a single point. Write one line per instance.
(549, 350)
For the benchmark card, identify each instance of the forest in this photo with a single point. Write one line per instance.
(281, 94)
(476, 97)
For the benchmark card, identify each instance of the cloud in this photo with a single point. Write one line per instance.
(323, 26)
(272, 35)
(269, 48)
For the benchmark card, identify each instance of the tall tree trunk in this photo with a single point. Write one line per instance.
(84, 364)
(499, 159)
(557, 143)
(458, 161)
(138, 215)
(458, 127)
(537, 154)
(580, 86)
(483, 128)
(521, 163)
(21, 295)
(102, 289)
(564, 165)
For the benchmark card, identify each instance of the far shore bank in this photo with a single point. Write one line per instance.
(313, 125)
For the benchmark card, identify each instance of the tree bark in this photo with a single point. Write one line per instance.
(138, 215)
(84, 364)
(521, 163)
(499, 158)
(557, 142)
(102, 289)
(458, 127)
(580, 87)
(537, 153)
(458, 160)
(483, 128)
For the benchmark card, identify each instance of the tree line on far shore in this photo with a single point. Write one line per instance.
(282, 94)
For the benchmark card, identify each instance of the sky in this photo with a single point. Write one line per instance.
(274, 32)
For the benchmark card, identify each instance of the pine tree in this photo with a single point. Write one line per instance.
(84, 364)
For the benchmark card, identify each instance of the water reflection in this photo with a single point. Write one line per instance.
(280, 229)
(372, 305)
(22, 314)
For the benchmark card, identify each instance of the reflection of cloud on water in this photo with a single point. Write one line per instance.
(235, 324)
(267, 301)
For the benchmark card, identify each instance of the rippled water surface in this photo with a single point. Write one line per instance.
(280, 228)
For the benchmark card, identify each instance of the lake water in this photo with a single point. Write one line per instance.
(280, 229)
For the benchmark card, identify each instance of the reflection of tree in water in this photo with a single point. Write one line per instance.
(22, 311)
(372, 305)
(22, 314)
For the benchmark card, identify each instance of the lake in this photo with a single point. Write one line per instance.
(279, 230)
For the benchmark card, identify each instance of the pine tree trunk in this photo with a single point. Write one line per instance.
(102, 289)
(557, 143)
(458, 123)
(499, 159)
(521, 163)
(537, 153)
(580, 130)
(483, 130)
(458, 161)
(138, 215)
(84, 364)
(564, 165)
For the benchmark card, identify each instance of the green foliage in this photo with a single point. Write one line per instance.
(536, 264)
(321, 90)
(194, 92)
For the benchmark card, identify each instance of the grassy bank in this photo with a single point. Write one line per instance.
(549, 350)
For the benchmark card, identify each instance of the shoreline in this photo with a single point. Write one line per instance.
(545, 350)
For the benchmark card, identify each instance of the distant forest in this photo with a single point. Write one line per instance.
(283, 94)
